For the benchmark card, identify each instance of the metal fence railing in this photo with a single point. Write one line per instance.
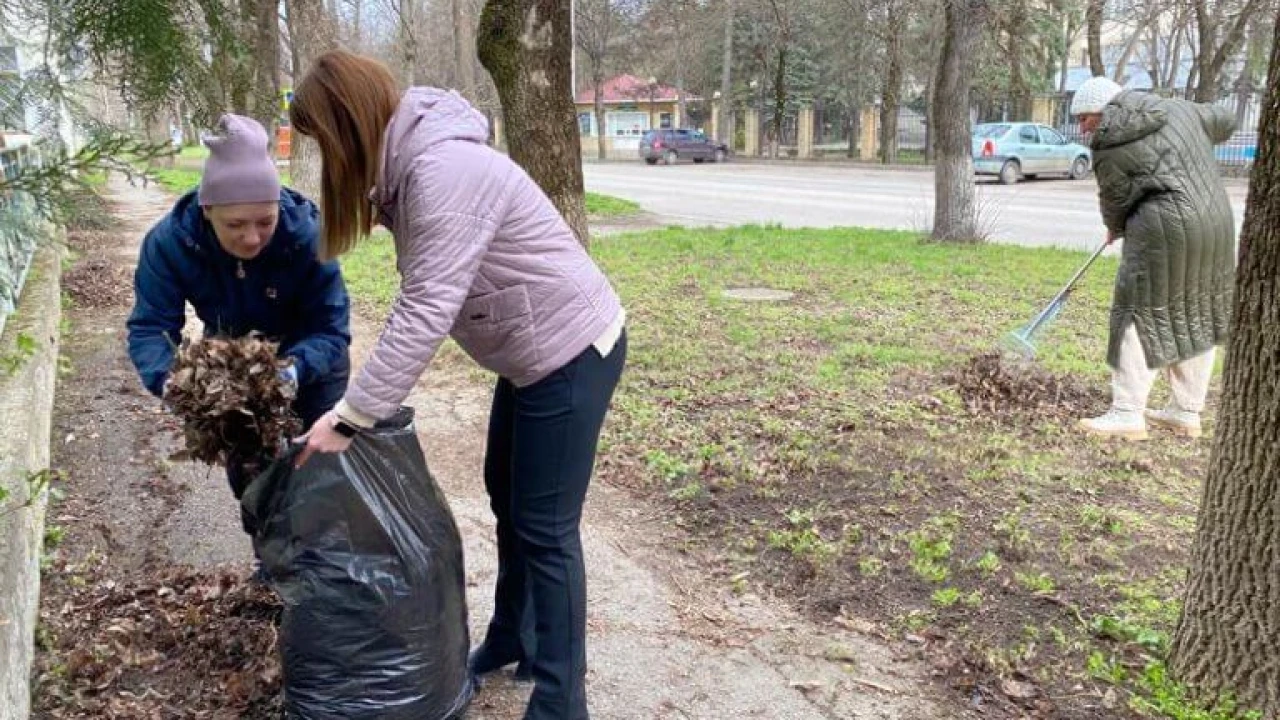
(19, 227)
(1235, 155)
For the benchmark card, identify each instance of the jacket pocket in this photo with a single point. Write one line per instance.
(497, 331)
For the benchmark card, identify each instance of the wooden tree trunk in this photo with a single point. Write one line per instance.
(314, 34)
(1019, 43)
(157, 133)
(725, 131)
(1019, 89)
(266, 70)
(1175, 64)
(1153, 56)
(682, 104)
(779, 101)
(1228, 638)
(891, 100)
(462, 51)
(597, 82)
(357, 25)
(955, 215)
(1065, 61)
(930, 107)
(1219, 44)
(1093, 24)
(526, 47)
(190, 135)
(678, 15)
(230, 71)
(407, 33)
(1203, 78)
(855, 129)
(1121, 72)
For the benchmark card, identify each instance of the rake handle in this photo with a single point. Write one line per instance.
(1066, 289)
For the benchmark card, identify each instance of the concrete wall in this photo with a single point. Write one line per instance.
(26, 413)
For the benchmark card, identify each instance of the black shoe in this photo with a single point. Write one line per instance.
(486, 659)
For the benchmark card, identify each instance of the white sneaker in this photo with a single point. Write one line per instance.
(1181, 422)
(1125, 424)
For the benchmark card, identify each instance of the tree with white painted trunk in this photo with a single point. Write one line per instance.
(313, 32)
(955, 212)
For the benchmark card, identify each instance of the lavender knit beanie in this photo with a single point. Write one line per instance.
(239, 168)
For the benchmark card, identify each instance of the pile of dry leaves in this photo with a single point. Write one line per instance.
(180, 644)
(230, 397)
(98, 283)
(991, 386)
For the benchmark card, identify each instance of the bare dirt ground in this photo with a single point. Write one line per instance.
(145, 613)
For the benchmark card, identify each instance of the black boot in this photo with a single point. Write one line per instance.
(487, 659)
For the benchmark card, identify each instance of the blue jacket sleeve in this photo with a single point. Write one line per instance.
(155, 325)
(326, 335)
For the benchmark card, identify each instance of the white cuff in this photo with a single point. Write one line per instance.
(352, 416)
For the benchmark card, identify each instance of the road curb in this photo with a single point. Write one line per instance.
(26, 415)
(784, 162)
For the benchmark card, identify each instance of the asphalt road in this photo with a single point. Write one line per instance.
(1041, 212)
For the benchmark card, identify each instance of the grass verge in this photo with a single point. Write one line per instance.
(609, 207)
(842, 448)
(179, 180)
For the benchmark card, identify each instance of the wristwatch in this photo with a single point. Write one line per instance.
(344, 429)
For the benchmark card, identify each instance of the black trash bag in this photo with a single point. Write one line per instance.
(365, 554)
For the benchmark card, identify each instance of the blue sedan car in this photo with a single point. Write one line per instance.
(1012, 151)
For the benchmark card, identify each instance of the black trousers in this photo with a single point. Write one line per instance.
(540, 456)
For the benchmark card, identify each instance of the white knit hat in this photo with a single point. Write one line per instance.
(1093, 95)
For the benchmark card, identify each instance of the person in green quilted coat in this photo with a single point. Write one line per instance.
(1160, 190)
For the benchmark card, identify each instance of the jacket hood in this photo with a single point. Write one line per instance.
(424, 118)
(1130, 117)
(297, 229)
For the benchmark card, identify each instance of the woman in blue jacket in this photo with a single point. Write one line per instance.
(242, 251)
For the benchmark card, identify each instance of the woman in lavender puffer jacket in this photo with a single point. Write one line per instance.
(483, 257)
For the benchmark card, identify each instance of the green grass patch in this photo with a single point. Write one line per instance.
(176, 180)
(181, 179)
(841, 407)
(825, 446)
(607, 206)
(370, 272)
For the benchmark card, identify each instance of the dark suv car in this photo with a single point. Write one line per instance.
(672, 145)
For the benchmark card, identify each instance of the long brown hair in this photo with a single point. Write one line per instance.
(345, 102)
